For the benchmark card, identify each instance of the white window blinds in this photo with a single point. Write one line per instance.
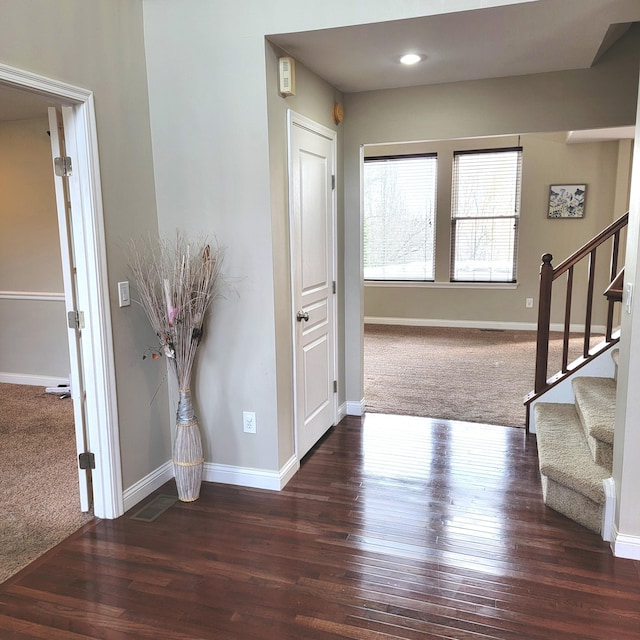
(485, 210)
(399, 217)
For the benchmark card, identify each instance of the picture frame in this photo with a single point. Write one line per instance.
(567, 200)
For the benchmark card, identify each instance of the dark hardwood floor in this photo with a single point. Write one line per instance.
(394, 527)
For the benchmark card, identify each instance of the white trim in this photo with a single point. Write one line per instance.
(428, 284)
(625, 546)
(147, 485)
(289, 470)
(249, 477)
(474, 324)
(32, 379)
(93, 298)
(31, 295)
(224, 474)
(355, 408)
(342, 412)
(42, 85)
(608, 513)
(90, 254)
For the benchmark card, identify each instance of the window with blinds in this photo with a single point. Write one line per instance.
(485, 210)
(399, 217)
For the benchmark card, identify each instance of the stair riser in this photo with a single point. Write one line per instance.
(572, 504)
(602, 452)
(595, 400)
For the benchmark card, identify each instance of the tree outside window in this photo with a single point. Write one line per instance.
(399, 217)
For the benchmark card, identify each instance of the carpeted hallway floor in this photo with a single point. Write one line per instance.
(40, 500)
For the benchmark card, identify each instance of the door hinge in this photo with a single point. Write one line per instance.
(335, 386)
(75, 320)
(333, 182)
(62, 166)
(333, 286)
(87, 460)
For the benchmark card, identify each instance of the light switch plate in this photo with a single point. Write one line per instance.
(628, 296)
(123, 294)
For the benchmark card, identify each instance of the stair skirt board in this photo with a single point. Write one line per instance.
(572, 504)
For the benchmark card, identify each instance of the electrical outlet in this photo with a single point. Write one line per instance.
(529, 303)
(249, 421)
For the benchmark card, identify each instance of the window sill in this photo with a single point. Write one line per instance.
(413, 284)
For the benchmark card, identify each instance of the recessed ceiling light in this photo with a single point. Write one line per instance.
(410, 58)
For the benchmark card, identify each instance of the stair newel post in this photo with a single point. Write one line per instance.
(544, 322)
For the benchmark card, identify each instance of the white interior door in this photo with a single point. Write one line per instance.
(312, 219)
(63, 202)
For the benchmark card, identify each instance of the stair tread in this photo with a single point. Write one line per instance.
(596, 403)
(563, 451)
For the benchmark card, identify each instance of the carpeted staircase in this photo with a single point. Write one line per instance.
(575, 449)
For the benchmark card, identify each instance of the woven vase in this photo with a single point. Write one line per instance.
(188, 460)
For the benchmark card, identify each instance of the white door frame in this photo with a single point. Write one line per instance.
(93, 293)
(294, 118)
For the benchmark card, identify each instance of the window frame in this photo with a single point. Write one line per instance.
(515, 217)
(407, 156)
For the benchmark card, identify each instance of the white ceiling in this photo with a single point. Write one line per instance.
(532, 37)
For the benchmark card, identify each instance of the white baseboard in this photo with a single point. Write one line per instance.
(474, 324)
(355, 408)
(625, 546)
(30, 379)
(224, 474)
(248, 477)
(608, 513)
(143, 488)
(342, 412)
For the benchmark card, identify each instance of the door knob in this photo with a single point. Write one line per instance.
(302, 315)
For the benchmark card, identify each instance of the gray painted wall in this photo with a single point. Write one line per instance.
(33, 335)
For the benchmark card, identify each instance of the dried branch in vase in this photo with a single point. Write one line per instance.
(177, 282)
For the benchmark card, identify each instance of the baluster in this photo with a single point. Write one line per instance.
(544, 320)
(567, 321)
(587, 320)
(615, 248)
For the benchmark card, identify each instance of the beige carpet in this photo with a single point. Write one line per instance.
(40, 499)
(473, 375)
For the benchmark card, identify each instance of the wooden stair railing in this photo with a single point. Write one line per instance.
(548, 275)
(614, 290)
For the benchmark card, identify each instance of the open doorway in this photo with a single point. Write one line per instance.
(461, 297)
(41, 504)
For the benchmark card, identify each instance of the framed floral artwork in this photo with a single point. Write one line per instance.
(567, 200)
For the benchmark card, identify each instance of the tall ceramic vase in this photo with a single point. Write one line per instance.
(188, 460)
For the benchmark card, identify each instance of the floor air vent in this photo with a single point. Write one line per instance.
(155, 508)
